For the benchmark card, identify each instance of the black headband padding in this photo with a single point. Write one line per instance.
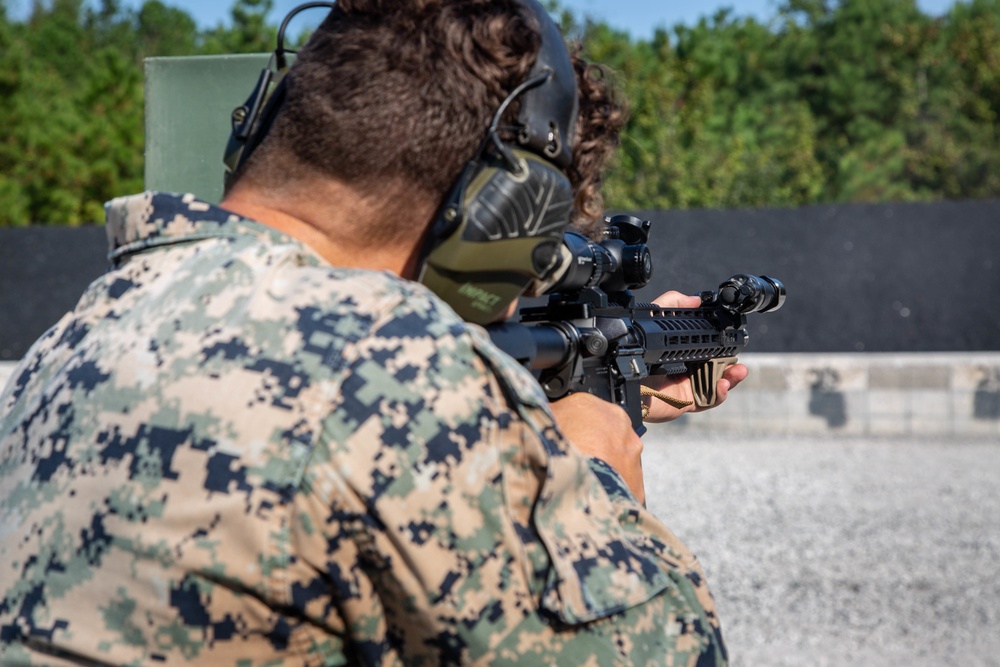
(552, 107)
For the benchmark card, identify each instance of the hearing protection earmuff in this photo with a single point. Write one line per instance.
(501, 225)
(252, 120)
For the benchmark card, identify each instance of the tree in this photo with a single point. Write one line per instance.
(74, 123)
(858, 65)
(834, 100)
(709, 126)
(72, 84)
(165, 31)
(250, 31)
(959, 136)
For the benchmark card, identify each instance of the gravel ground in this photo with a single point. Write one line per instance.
(840, 551)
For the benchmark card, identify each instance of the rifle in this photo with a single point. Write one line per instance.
(593, 336)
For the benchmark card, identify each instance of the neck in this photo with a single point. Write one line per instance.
(332, 218)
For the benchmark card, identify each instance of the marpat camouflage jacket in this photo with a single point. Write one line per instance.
(234, 454)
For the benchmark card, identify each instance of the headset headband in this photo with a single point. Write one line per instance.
(548, 112)
(252, 121)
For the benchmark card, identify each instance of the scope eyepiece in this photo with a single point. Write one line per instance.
(621, 260)
(637, 264)
(751, 294)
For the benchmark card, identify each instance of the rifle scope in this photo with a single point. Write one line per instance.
(619, 261)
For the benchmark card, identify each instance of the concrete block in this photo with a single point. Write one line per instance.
(768, 378)
(986, 404)
(931, 404)
(770, 411)
(909, 377)
(970, 416)
(919, 426)
(962, 404)
(858, 413)
(884, 403)
(974, 375)
(980, 428)
(891, 425)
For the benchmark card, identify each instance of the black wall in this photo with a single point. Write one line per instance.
(874, 278)
(43, 271)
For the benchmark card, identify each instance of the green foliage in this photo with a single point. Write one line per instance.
(165, 31)
(709, 125)
(249, 33)
(71, 81)
(74, 123)
(832, 101)
(856, 100)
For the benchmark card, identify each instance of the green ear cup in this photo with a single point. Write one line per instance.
(507, 235)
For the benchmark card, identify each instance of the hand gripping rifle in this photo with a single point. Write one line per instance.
(593, 336)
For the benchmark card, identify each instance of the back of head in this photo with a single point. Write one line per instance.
(393, 97)
(391, 92)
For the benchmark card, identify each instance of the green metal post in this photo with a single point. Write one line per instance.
(189, 103)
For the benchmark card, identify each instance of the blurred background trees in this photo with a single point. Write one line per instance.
(832, 101)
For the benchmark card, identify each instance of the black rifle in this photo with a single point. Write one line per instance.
(593, 336)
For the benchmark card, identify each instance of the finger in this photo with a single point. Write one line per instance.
(674, 299)
(660, 412)
(680, 387)
(735, 374)
(677, 387)
(731, 377)
(722, 391)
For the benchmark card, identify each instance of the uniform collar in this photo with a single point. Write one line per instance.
(150, 219)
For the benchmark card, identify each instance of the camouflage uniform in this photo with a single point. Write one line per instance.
(232, 453)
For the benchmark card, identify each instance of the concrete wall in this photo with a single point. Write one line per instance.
(936, 395)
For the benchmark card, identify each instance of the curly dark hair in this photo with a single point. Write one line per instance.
(598, 128)
(390, 92)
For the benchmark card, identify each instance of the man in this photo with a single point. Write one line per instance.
(257, 441)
